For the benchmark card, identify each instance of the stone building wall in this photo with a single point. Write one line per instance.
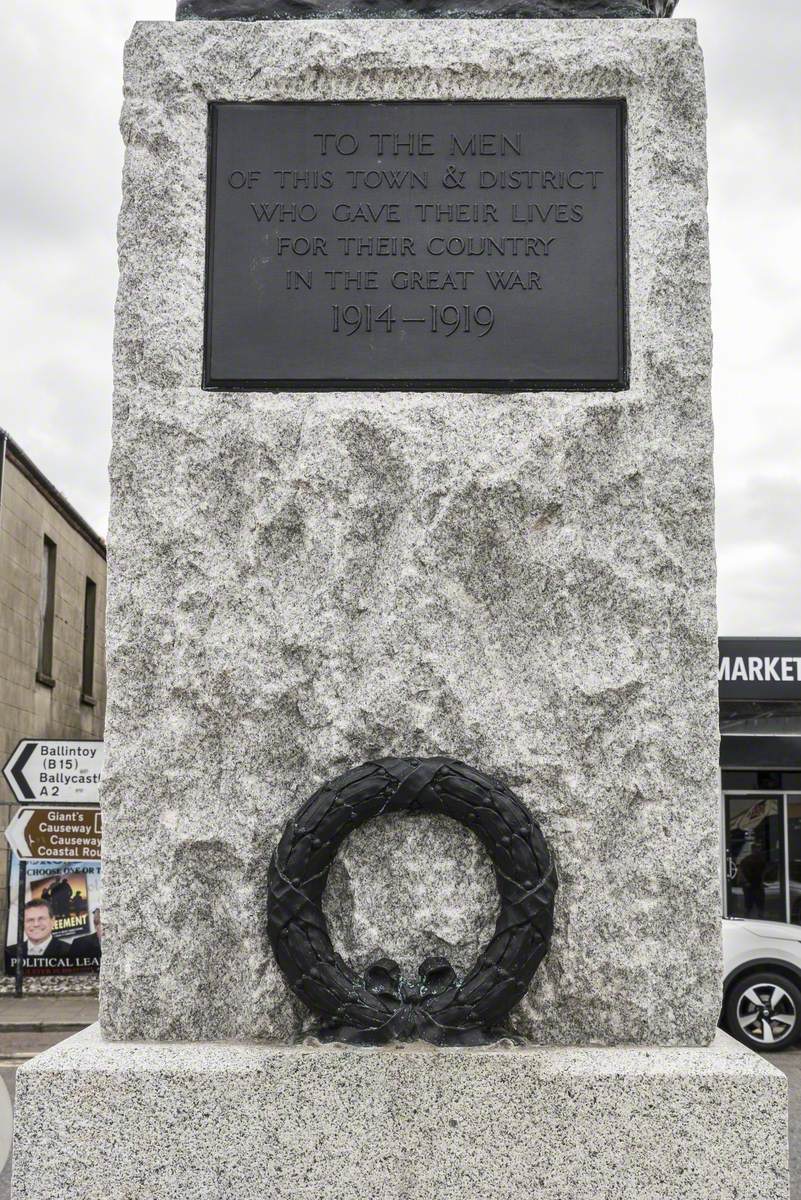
(31, 510)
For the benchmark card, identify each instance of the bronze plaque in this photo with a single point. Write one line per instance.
(467, 246)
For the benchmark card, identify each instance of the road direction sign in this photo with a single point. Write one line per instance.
(65, 834)
(55, 771)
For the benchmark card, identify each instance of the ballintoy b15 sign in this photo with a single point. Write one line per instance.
(48, 771)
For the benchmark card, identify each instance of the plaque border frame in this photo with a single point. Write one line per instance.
(621, 383)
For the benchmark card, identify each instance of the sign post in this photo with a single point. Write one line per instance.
(45, 771)
(62, 834)
(20, 963)
(53, 777)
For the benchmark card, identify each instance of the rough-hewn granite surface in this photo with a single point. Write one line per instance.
(283, 1123)
(298, 582)
(264, 10)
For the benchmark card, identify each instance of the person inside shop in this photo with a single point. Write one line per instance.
(39, 941)
(90, 946)
(752, 870)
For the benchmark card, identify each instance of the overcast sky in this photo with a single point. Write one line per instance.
(59, 195)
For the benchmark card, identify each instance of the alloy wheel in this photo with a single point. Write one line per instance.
(766, 1013)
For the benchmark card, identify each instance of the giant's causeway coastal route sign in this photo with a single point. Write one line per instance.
(425, 244)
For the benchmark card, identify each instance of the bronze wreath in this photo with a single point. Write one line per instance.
(436, 1006)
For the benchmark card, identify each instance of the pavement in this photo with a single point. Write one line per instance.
(33, 1023)
(29, 1025)
(45, 1014)
(789, 1061)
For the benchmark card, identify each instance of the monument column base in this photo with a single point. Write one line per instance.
(121, 1120)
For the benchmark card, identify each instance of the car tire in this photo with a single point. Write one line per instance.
(763, 1011)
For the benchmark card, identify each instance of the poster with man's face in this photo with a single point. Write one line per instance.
(62, 921)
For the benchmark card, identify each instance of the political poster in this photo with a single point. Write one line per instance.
(62, 917)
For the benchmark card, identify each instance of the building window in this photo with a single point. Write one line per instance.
(88, 681)
(755, 858)
(47, 608)
(763, 857)
(760, 716)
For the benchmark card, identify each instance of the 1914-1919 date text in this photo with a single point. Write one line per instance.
(440, 318)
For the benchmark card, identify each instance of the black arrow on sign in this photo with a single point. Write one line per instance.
(16, 771)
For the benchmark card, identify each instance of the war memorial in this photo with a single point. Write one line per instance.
(411, 848)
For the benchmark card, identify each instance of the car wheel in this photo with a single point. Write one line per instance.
(764, 1011)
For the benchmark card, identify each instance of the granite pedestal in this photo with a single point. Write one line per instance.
(267, 1122)
(300, 582)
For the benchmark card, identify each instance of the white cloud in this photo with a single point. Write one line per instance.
(752, 53)
(61, 89)
(60, 86)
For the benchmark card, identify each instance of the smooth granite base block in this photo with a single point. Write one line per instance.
(106, 1121)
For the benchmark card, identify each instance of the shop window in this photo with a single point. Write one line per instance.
(47, 612)
(794, 857)
(755, 876)
(761, 717)
(88, 677)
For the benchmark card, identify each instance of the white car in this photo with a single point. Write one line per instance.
(762, 983)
